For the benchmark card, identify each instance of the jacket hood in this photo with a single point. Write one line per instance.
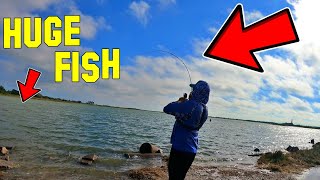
(200, 92)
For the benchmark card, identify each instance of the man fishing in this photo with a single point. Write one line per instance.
(190, 115)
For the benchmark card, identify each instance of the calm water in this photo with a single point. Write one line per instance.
(53, 136)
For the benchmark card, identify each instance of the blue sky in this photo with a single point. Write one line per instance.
(172, 26)
(149, 79)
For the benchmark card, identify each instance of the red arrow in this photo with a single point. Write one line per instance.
(235, 43)
(27, 90)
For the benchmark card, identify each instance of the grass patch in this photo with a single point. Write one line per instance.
(294, 162)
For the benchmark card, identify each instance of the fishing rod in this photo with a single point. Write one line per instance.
(177, 57)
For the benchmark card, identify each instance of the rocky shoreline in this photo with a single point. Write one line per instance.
(207, 172)
(292, 161)
(210, 172)
(265, 169)
(157, 173)
(271, 165)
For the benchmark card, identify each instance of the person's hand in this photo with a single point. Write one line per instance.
(184, 98)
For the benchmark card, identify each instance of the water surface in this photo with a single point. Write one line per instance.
(52, 136)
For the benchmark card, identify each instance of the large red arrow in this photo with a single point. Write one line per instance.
(235, 43)
(27, 90)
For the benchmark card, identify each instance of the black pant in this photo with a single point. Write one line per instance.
(179, 164)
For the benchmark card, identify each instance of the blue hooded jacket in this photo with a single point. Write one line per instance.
(190, 115)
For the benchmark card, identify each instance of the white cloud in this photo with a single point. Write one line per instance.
(307, 50)
(213, 30)
(225, 79)
(295, 73)
(200, 44)
(275, 95)
(43, 56)
(140, 10)
(252, 16)
(284, 74)
(25, 8)
(298, 104)
(165, 3)
(89, 25)
(316, 105)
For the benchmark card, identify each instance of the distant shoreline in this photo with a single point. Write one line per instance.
(47, 98)
(272, 123)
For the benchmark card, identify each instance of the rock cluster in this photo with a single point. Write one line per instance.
(88, 159)
(4, 158)
(149, 148)
(146, 150)
(4, 151)
(292, 149)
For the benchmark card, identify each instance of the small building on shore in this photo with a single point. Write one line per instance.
(90, 102)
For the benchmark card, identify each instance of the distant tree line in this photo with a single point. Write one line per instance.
(4, 91)
(40, 96)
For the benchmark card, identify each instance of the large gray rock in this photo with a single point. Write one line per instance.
(88, 159)
(292, 149)
(4, 150)
(149, 148)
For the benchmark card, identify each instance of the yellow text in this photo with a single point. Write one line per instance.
(91, 70)
(32, 29)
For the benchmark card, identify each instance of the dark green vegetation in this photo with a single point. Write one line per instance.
(14, 92)
(4, 91)
(294, 162)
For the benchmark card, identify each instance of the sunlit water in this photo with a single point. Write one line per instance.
(49, 135)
